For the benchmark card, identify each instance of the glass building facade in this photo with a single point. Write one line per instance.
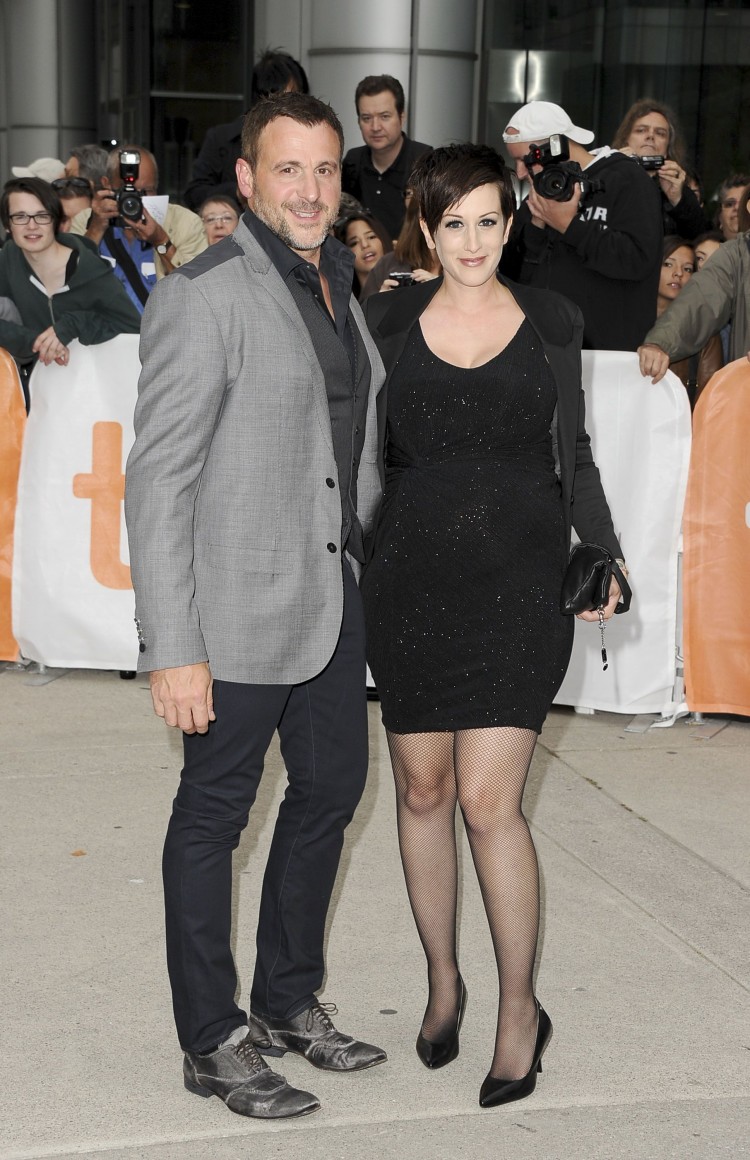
(596, 59)
(162, 72)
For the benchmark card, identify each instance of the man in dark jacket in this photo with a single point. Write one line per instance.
(601, 247)
(377, 173)
(214, 167)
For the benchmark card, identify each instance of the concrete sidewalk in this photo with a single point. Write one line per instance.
(644, 961)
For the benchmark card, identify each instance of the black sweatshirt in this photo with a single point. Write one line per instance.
(608, 259)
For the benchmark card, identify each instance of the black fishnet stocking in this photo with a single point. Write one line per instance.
(484, 770)
(426, 812)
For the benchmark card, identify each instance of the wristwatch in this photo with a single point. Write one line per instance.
(162, 249)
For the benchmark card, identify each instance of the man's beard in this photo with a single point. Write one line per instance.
(273, 217)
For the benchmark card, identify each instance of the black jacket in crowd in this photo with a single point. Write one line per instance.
(608, 259)
(686, 218)
(213, 168)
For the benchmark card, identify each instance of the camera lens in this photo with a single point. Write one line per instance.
(131, 206)
(555, 183)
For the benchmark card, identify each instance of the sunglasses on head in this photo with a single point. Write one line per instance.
(66, 183)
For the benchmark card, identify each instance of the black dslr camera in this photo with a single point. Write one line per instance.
(129, 200)
(560, 175)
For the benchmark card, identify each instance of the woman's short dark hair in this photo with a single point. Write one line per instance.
(299, 107)
(641, 109)
(377, 228)
(41, 190)
(448, 174)
(708, 236)
(220, 199)
(273, 73)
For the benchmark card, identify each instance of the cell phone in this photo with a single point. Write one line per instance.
(403, 277)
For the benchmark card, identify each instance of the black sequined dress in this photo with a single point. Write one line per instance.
(462, 596)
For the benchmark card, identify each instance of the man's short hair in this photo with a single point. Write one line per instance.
(41, 190)
(113, 161)
(372, 86)
(273, 72)
(300, 107)
(92, 162)
(449, 174)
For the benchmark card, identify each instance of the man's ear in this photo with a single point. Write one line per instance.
(244, 178)
(427, 235)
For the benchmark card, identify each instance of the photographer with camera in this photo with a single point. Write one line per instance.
(649, 133)
(590, 228)
(140, 248)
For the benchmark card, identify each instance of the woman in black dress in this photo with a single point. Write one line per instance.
(466, 641)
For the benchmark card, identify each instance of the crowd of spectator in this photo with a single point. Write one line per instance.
(628, 240)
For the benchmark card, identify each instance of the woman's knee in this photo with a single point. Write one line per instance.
(484, 809)
(424, 795)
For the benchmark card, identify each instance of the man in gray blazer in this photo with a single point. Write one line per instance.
(251, 487)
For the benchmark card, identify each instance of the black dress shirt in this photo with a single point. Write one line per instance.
(340, 351)
(382, 193)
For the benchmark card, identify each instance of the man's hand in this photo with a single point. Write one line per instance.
(49, 348)
(184, 697)
(672, 180)
(557, 214)
(103, 209)
(653, 361)
(149, 230)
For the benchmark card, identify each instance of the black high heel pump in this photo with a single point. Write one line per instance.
(503, 1091)
(434, 1055)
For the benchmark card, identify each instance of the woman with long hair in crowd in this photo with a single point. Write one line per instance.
(410, 255)
(367, 239)
(466, 639)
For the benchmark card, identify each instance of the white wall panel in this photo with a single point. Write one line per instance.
(443, 105)
(363, 23)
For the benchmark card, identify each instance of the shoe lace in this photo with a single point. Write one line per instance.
(246, 1052)
(321, 1013)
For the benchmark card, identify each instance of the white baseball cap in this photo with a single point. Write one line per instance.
(539, 120)
(48, 168)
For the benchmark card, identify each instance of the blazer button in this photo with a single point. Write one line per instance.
(330, 482)
(331, 547)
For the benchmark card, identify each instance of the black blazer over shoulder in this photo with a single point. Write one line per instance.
(559, 327)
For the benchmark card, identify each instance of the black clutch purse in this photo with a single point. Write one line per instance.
(585, 585)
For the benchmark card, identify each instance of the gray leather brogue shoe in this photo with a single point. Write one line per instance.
(313, 1035)
(237, 1075)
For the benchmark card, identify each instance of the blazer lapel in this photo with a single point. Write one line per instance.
(274, 284)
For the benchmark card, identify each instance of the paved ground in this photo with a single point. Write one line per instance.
(644, 961)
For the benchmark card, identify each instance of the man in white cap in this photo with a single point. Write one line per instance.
(601, 244)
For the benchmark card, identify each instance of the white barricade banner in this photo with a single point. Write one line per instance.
(73, 600)
(72, 596)
(640, 434)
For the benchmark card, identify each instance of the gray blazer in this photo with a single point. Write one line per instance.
(228, 511)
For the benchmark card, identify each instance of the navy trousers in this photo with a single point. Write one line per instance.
(322, 728)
